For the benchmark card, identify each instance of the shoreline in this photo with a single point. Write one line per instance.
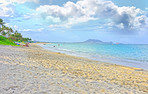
(122, 63)
(65, 73)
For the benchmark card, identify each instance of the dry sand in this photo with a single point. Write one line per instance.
(33, 70)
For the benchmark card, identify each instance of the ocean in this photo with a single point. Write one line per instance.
(121, 54)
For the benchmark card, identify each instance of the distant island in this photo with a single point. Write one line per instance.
(96, 41)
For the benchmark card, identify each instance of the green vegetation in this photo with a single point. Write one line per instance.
(18, 37)
(8, 36)
(5, 41)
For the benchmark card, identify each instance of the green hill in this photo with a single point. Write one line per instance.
(5, 41)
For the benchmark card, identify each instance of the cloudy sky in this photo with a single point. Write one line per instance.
(124, 21)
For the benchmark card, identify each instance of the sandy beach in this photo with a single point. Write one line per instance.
(33, 70)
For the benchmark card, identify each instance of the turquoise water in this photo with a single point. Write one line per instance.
(122, 54)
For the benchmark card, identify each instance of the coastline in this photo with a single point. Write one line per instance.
(50, 72)
(120, 58)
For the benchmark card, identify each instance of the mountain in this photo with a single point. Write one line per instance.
(96, 41)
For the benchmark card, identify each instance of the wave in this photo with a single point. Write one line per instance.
(127, 55)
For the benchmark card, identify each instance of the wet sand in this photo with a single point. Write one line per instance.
(33, 70)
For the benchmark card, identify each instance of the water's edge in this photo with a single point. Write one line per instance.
(127, 63)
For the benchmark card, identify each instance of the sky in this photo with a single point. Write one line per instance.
(119, 21)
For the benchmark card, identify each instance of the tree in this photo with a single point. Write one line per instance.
(2, 30)
(5, 31)
(16, 36)
(9, 30)
(8, 33)
(2, 22)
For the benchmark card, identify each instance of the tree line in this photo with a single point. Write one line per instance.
(11, 34)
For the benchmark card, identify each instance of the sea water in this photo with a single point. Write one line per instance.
(121, 54)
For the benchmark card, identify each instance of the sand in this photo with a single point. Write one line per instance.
(33, 70)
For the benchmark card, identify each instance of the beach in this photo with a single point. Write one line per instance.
(34, 70)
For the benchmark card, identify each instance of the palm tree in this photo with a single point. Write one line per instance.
(2, 22)
(1, 26)
(5, 30)
(4, 34)
(9, 31)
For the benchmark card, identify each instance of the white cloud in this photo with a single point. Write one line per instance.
(3, 1)
(6, 9)
(70, 22)
(26, 30)
(69, 14)
(69, 10)
(23, 1)
(84, 10)
(16, 27)
(40, 29)
(33, 30)
(18, 1)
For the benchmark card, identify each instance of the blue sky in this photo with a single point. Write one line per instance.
(124, 21)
